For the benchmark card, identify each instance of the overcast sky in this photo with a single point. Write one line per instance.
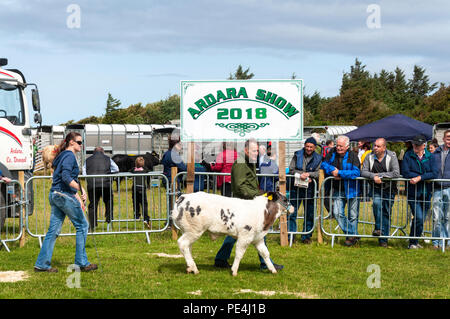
(141, 50)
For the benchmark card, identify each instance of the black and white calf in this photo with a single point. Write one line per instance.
(247, 220)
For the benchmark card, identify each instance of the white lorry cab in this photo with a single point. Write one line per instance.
(16, 144)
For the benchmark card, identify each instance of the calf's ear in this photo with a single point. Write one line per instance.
(273, 196)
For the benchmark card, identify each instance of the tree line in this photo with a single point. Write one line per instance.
(363, 98)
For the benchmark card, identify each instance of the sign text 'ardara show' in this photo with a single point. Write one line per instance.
(238, 110)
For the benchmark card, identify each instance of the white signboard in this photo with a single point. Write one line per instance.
(239, 110)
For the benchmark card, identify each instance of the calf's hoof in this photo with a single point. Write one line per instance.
(192, 270)
(234, 273)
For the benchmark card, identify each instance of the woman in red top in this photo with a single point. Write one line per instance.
(224, 162)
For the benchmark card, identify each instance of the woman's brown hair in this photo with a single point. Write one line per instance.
(65, 143)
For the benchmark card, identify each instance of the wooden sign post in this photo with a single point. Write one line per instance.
(282, 182)
(190, 168)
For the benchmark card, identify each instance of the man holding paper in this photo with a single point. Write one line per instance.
(305, 166)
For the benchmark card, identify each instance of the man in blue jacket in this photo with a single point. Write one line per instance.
(418, 165)
(441, 194)
(344, 166)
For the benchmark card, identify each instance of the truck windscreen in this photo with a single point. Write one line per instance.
(11, 104)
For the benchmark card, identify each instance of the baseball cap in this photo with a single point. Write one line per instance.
(419, 140)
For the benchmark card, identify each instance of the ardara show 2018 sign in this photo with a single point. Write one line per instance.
(239, 110)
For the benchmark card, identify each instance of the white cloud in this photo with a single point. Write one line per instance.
(161, 42)
(337, 26)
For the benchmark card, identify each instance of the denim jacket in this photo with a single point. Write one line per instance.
(442, 174)
(66, 170)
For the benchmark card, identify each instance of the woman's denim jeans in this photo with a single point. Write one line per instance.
(441, 212)
(62, 205)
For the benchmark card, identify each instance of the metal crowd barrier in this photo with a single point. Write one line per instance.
(122, 218)
(160, 199)
(396, 197)
(11, 212)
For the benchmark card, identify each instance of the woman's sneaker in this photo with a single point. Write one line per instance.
(36, 269)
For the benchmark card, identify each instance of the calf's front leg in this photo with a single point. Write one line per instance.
(241, 247)
(264, 252)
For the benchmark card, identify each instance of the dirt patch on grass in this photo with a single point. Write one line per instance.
(263, 292)
(13, 276)
(195, 293)
(273, 293)
(167, 255)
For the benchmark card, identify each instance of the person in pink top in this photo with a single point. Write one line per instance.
(224, 162)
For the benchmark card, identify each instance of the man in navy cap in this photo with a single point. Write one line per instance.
(418, 165)
(305, 165)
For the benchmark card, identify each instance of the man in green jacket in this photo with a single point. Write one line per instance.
(244, 185)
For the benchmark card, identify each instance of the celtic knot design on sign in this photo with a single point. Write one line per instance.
(242, 128)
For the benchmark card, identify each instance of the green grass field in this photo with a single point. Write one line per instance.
(131, 269)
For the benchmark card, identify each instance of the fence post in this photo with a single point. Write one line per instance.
(24, 211)
(190, 168)
(319, 208)
(173, 172)
(282, 183)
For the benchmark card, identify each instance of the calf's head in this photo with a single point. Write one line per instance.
(276, 204)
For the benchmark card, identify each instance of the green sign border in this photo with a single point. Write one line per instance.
(185, 84)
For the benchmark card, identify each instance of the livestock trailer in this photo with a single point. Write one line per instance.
(131, 139)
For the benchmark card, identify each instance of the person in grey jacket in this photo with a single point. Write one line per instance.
(378, 166)
(441, 194)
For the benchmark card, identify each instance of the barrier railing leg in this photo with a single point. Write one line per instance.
(147, 234)
(332, 241)
(6, 246)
